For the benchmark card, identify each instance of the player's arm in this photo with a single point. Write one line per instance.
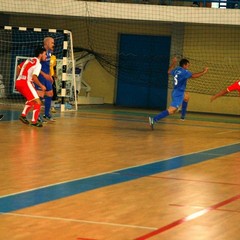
(19, 67)
(18, 70)
(36, 80)
(173, 65)
(47, 76)
(199, 74)
(221, 93)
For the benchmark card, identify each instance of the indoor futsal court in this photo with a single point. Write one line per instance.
(102, 174)
(99, 172)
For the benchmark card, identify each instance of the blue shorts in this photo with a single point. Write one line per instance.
(46, 83)
(177, 98)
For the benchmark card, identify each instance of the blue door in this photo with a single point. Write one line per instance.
(142, 74)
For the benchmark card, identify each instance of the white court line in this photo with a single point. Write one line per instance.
(76, 220)
(227, 132)
(111, 172)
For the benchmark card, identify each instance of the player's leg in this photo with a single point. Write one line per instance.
(153, 120)
(41, 96)
(36, 111)
(177, 99)
(185, 105)
(54, 97)
(48, 100)
(161, 115)
(47, 104)
(26, 110)
(28, 91)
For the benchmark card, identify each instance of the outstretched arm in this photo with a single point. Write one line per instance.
(223, 92)
(197, 75)
(173, 65)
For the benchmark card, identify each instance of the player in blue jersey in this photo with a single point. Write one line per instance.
(46, 79)
(180, 74)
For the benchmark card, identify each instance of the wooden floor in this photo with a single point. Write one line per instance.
(102, 174)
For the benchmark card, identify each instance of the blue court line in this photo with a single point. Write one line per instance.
(50, 193)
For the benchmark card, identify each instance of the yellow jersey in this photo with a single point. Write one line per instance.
(53, 63)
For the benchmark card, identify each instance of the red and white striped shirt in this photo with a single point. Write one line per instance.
(30, 67)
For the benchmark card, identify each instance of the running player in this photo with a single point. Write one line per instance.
(234, 87)
(181, 75)
(28, 75)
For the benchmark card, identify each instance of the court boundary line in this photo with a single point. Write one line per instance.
(76, 220)
(113, 171)
(32, 197)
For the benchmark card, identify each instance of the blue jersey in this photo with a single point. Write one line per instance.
(46, 69)
(46, 65)
(180, 77)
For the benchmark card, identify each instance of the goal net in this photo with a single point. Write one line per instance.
(17, 44)
(205, 40)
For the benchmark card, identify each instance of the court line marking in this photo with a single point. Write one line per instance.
(226, 132)
(192, 180)
(80, 238)
(146, 115)
(179, 123)
(57, 191)
(199, 207)
(188, 218)
(118, 170)
(77, 220)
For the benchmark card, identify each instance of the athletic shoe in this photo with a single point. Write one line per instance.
(49, 118)
(42, 120)
(23, 119)
(1, 116)
(37, 124)
(182, 118)
(151, 122)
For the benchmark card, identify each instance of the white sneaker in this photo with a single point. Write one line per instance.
(151, 122)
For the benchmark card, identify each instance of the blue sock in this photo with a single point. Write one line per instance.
(47, 104)
(184, 109)
(161, 115)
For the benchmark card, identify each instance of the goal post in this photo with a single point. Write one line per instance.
(17, 44)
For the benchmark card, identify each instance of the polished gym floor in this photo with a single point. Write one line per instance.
(102, 174)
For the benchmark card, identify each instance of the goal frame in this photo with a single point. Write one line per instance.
(66, 75)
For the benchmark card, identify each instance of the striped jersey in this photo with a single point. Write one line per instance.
(29, 68)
